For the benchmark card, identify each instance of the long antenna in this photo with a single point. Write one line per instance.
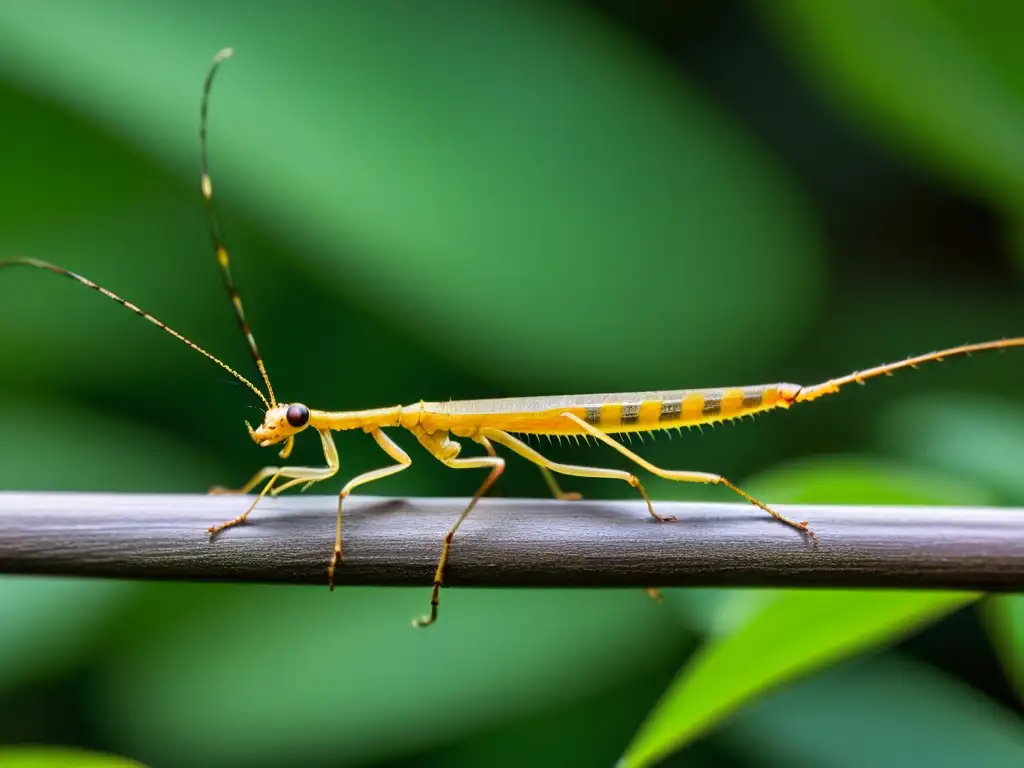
(128, 305)
(832, 385)
(218, 245)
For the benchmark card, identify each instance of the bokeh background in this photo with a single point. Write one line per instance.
(461, 200)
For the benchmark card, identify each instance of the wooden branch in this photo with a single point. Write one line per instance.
(510, 543)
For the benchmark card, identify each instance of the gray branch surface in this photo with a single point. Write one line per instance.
(510, 543)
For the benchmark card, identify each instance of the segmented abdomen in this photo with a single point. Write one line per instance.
(616, 412)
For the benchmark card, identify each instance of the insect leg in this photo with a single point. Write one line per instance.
(446, 450)
(295, 475)
(259, 477)
(684, 476)
(556, 490)
(330, 456)
(497, 465)
(548, 466)
(215, 529)
(528, 453)
(403, 462)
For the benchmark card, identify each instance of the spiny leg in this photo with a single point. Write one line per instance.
(295, 475)
(528, 453)
(497, 465)
(684, 476)
(404, 462)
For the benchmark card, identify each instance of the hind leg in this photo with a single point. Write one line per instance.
(684, 476)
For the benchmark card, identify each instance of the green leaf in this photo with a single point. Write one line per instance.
(60, 757)
(974, 437)
(938, 78)
(863, 480)
(523, 172)
(793, 634)
(759, 639)
(980, 439)
(872, 712)
(1004, 617)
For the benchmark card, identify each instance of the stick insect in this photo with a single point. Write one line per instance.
(485, 422)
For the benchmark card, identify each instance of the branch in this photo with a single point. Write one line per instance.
(510, 542)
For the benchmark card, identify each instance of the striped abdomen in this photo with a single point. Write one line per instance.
(617, 412)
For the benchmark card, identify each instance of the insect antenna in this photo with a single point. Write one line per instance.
(219, 248)
(832, 386)
(25, 262)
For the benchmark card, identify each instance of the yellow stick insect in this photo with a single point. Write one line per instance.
(486, 422)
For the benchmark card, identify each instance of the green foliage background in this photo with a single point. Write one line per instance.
(467, 200)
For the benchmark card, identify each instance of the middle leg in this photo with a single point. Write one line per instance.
(548, 466)
(556, 489)
(446, 450)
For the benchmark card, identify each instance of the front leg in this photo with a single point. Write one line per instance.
(294, 474)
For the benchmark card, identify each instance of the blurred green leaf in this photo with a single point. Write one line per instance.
(509, 178)
(289, 672)
(759, 639)
(875, 713)
(938, 78)
(790, 635)
(1004, 617)
(59, 757)
(822, 480)
(862, 480)
(978, 438)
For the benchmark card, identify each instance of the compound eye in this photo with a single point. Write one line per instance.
(297, 415)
